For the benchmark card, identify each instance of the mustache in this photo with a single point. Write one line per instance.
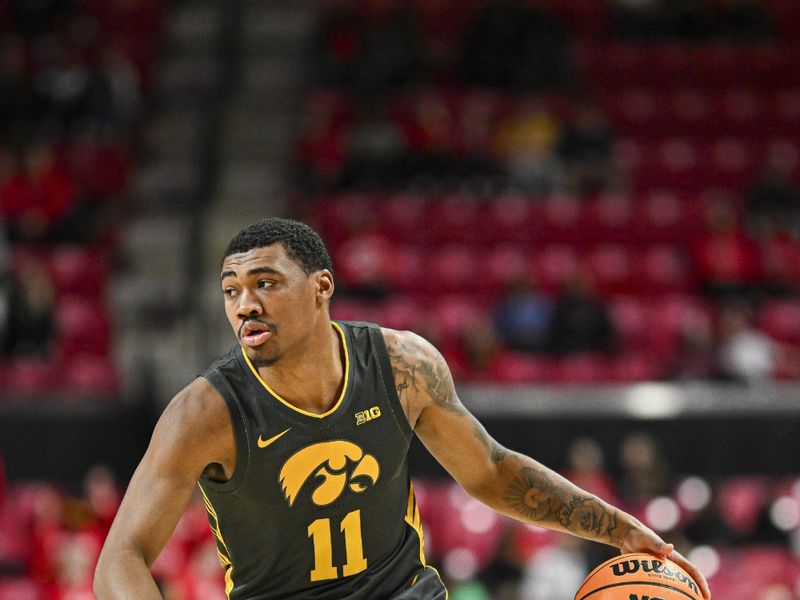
(273, 328)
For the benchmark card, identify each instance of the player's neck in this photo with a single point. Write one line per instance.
(311, 378)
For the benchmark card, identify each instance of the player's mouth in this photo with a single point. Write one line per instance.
(254, 333)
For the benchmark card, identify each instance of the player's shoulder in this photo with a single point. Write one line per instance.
(409, 347)
(198, 407)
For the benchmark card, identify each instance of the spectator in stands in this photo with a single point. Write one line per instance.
(38, 200)
(481, 347)
(556, 571)
(645, 474)
(15, 90)
(430, 136)
(581, 320)
(320, 151)
(475, 131)
(526, 144)
(390, 48)
(375, 149)
(32, 311)
(696, 357)
(114, 96)
(637, 19)
(708, 526)
(523, 316)
(724, 257)
(515, 44)
(774, 198)
(61, 80)
(586, 464)
(585, 145)
(747, 354)
(743, 21)
(779, 252)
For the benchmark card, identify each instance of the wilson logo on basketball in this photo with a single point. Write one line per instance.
(638, 597)
(339, 464)
(630, 567)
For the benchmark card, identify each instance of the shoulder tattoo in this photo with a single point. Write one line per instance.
(540, 498)
(419, 368)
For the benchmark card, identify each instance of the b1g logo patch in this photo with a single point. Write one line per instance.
(368, 415)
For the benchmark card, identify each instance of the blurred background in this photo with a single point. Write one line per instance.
(591, 207)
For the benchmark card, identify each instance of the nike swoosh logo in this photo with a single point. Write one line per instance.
(262, 443)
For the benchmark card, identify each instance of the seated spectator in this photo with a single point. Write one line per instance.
(779, 253)
(390, 49)
(37, 201)
(585, 468)
(515, 44)
(15, 90)
(724, 257)
(430, 137)
(526, 143)
(585, 145)
(696, 357)
(743, 21)
(581, 321)
(637, 19)
(773, 201)
(320, 150)
(335, 45)
(32, 328)
(645, 474)
(556, 571)
(375, 148)
(523, 317)
(747, 354)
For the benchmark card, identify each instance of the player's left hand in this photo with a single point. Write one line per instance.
(643, 539)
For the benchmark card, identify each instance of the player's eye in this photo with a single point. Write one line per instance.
(230, 292)
(264, 283)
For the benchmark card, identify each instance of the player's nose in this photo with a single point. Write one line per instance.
(248, 305)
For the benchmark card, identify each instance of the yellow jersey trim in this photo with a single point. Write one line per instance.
(413, 519)
(300, 410)
(224, 558)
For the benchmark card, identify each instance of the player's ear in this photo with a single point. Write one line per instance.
(324, 283)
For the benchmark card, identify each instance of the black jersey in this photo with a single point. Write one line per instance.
(320, 507)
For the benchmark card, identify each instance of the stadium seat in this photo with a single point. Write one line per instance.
(82, 327)
(79, 271)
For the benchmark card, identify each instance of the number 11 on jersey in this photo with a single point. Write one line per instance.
(320, 533)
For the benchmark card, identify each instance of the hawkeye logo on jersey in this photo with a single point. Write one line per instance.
(367, 415)
(338, 464)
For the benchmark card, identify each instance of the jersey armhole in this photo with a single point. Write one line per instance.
(385, 369)
(240, 434)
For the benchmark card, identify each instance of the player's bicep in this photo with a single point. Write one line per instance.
(161, 487)
(452, 435)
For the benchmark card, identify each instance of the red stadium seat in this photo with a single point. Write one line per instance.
(453, 268)
(553, 265)
(611, 268)
(663, 268)
(516, 368)
(740, 499)
(88, 375)
(455, 219)
(509, 219)
(781, 320)
(78, 271)
(82, 327)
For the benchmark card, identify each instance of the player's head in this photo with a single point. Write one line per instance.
(302, 244)
(277, 280)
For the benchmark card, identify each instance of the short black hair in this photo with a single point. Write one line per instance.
(302, 244)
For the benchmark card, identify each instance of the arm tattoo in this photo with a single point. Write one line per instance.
(418, 369)
(538, 497)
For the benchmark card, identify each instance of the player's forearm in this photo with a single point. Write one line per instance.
(123, 575)
(527, 490)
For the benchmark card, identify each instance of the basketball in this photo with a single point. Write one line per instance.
(639, 577)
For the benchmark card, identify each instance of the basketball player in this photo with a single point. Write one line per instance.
(298, 439)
